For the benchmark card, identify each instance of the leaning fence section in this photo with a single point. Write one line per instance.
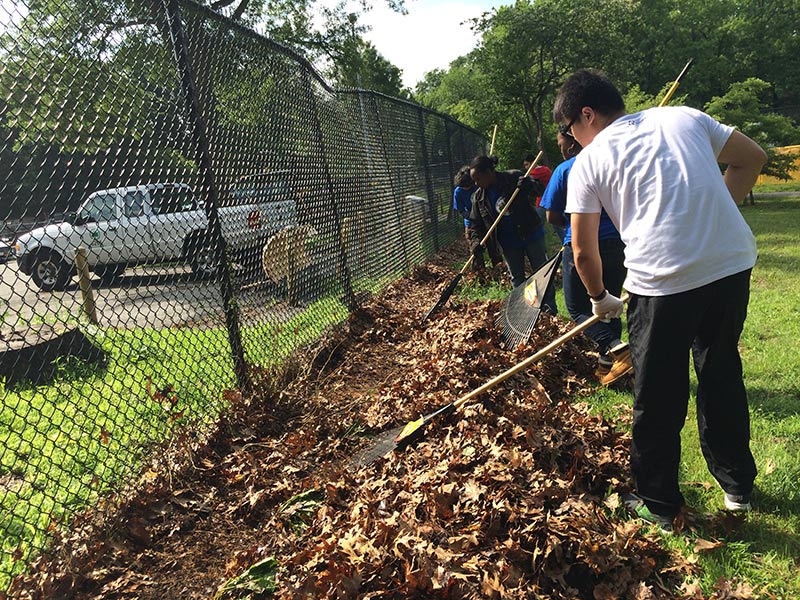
(183, 203)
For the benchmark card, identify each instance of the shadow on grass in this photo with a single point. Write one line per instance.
(776, 503)
(762, 538)
(771, 261)
(781, 404)
(754, 529)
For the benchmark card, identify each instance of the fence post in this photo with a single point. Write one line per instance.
(429, 181)
(180, 53)
(87, 294)
(343, 266)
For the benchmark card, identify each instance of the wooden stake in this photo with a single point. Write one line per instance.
(89, 307)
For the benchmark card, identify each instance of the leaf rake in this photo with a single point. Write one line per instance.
(523, 305)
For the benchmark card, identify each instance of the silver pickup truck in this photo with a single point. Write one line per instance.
(151, 223)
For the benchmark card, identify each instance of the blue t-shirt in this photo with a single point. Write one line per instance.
(462, 202)
(555, 199)
(506, 233)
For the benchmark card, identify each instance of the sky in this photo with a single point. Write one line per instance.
(430, 36)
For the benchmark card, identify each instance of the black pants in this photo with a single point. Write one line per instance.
(662, 329)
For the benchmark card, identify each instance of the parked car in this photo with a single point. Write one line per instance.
(149, 223)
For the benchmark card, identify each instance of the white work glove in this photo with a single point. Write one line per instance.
(607, 307)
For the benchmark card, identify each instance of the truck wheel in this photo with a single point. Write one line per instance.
(203, 257)
(50, 272)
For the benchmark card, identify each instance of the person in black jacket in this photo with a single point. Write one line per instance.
(520, 232)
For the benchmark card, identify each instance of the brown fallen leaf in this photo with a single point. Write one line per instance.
(703, 545)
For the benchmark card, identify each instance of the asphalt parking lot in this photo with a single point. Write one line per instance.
(152, 296)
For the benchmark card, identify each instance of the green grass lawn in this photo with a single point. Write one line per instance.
(786, 186)
(67, 444)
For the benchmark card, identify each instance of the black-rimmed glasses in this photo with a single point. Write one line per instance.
(567, 129)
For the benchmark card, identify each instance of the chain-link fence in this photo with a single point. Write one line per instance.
(182, 199)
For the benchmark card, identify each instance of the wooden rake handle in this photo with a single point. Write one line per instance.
(675, 84)
(532, 359)
(502, 212)
(494, 134)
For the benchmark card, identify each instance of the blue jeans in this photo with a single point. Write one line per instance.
(536, 251)
(579, 305)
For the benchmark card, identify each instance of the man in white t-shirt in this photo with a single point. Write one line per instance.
(689, 253)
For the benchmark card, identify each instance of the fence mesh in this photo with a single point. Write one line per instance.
(181, 200)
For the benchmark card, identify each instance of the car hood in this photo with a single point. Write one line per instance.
(46, 235)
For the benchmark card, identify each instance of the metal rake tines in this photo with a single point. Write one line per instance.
(516, 325)
(379, 446)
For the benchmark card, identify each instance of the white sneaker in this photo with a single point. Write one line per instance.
(738, 503)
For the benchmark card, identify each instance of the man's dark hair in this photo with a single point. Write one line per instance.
(482, 163)
(587, 87)
(462, 178)
(529, 158)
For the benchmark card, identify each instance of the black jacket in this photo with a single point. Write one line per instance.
(522, 212)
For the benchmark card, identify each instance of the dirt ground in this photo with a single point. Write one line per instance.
(507, 497)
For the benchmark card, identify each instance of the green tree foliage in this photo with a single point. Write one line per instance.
(77, 105)
(730, 40)
(459, 92)
(90, 93)
(745, 107)
(526, 50)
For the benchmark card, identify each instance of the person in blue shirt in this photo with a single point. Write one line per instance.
(520, 233)
(615, 359)
(462, 204)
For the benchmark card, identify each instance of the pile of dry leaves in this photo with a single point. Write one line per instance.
(506, 498)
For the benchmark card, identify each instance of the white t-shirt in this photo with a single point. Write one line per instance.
(656, 174)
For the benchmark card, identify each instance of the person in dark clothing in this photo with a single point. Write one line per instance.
(520, 233)
(542, 173)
